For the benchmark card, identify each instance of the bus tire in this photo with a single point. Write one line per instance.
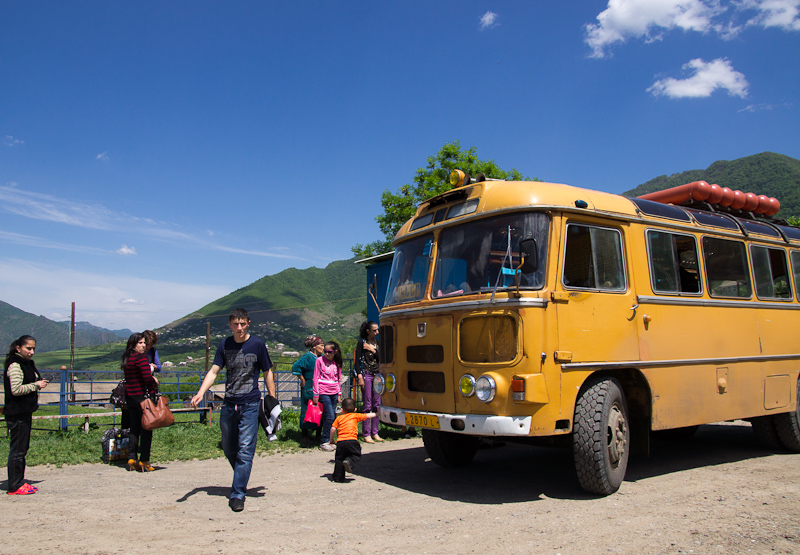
(601, 437)
(766, 433)
(788, 426)
(449, 450)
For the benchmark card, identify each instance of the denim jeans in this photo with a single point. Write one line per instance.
(328, 415)
(239, 426)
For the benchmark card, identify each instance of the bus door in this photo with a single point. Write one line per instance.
(595, 299)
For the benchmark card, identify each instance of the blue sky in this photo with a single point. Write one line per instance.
(155, 156)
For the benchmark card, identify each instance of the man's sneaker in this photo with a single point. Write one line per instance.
(24, 489)
(327, 447)
(347, 466)
(236, 504)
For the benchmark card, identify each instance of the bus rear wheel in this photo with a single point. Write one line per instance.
(788, 426)
(601, 437)
(449, 450)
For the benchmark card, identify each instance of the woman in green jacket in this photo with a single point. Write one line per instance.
(304, 369)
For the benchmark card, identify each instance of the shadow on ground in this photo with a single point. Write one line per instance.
(219, 491)
(516, 473)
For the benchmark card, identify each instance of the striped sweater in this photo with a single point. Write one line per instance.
(138, 378)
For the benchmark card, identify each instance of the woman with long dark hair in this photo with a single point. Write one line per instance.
(140, 382)
(21, 385)
(366, 362)
(328, 388)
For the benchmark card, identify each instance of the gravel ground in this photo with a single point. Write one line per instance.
(716, 493)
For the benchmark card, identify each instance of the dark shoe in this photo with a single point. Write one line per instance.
(236, 504)
(347, 466)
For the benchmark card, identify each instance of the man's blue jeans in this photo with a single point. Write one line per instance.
(239, 426)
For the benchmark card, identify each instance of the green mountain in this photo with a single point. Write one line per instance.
(50, 335)
(286, 307)
(774, 175)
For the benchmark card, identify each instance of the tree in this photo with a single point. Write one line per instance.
(429, 181)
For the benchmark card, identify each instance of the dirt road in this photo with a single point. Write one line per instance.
(717, 493)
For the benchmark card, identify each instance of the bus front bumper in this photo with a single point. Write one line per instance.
(469, 424)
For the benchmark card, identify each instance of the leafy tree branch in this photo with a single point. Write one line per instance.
(429, 181)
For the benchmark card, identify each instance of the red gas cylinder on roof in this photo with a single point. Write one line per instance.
(714, 194)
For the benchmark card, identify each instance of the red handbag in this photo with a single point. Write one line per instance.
(313, 413)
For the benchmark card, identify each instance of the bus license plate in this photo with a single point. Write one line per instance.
(422, 420)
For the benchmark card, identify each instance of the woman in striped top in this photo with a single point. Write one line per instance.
(139, 381)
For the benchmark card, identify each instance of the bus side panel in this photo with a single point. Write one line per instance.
(778, 332)
(689, 394)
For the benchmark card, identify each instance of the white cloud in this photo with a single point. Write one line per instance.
(651, 19)
(765, 107)
(624, 19)
(784, 14)
(488, 20)
(39, 242)
(125, 250)
(8, 140)
(103, 156)
(123, 301)
(707, 77)
(37, 206)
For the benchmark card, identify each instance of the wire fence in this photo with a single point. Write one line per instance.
(84, 394)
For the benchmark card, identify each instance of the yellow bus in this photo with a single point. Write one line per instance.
(519, 310)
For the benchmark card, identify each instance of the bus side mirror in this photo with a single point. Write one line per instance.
(530, 255)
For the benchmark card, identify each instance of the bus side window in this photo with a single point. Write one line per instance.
(726, 268)
(673, 262)
(795, 255)
(771, 273)
(593, 258)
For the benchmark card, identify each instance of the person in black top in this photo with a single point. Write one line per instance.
(21, 385)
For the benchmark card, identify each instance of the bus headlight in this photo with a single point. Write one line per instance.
(485, 388)
(467, 385)
(390, 383)
(378, 384)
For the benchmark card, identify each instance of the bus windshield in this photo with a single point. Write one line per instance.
(484, 254)
(409, 275)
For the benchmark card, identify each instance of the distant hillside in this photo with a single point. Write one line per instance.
(774, 175)
(50, 335)
(330, 301)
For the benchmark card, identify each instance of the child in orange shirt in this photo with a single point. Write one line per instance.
(348, 449)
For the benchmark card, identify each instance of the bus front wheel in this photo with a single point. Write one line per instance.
(601, 437)
(788, 426)
(446, 449)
